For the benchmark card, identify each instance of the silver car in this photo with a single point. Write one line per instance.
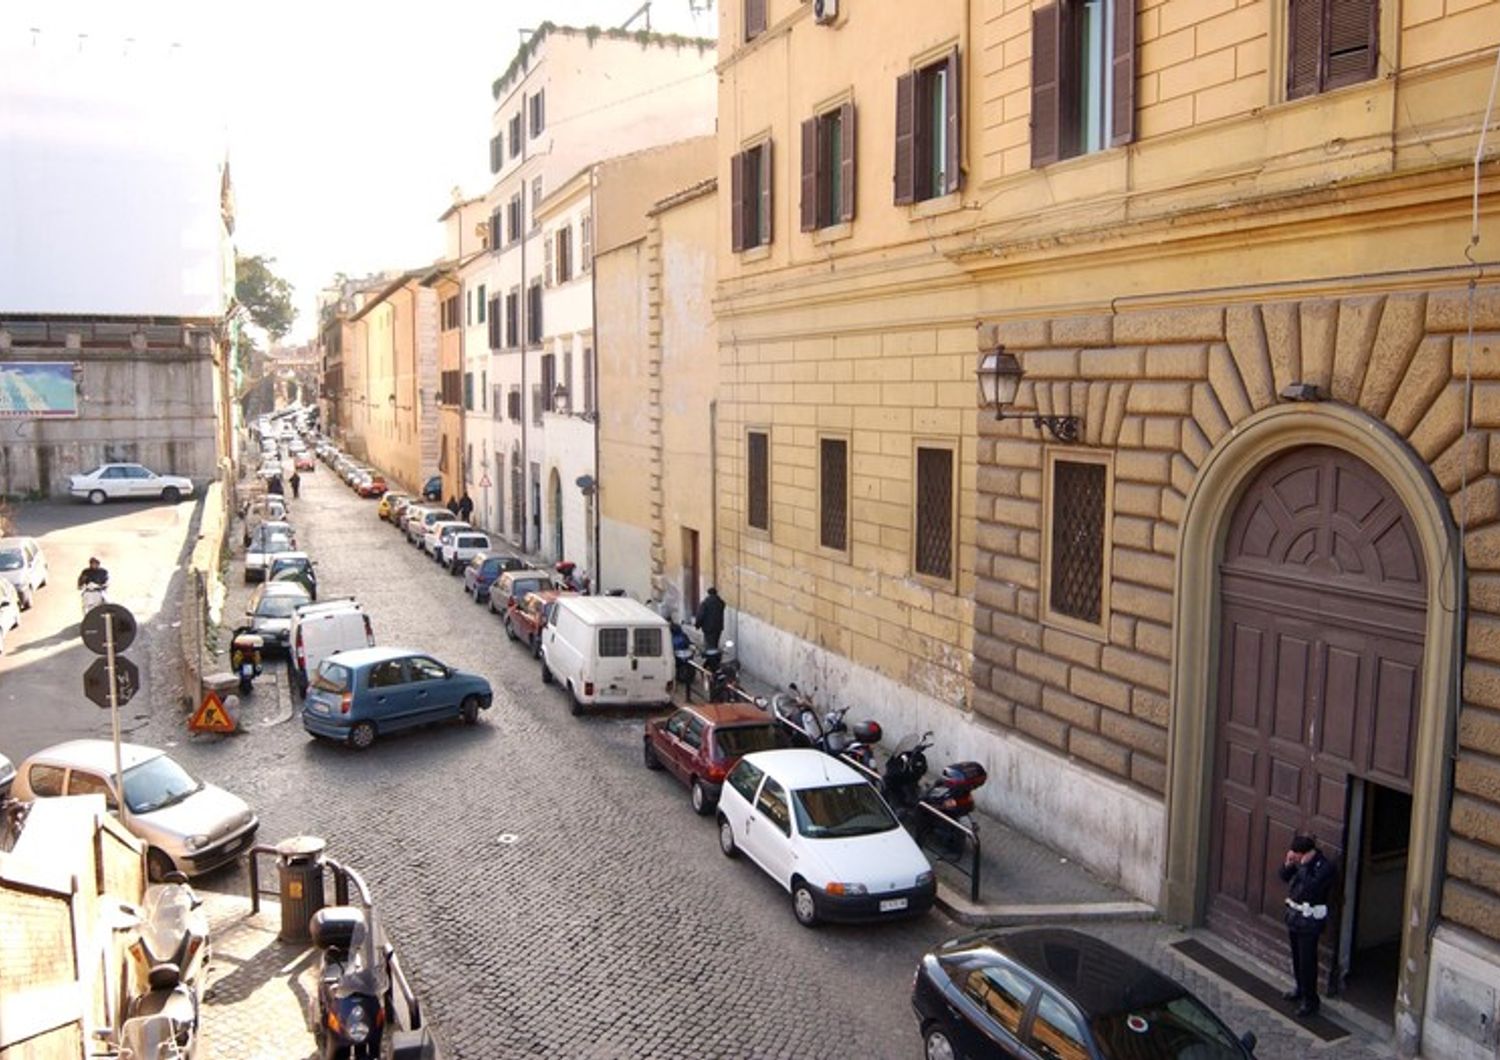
(24, 565)
(187, 825)
(266, 540)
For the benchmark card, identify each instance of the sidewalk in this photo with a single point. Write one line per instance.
(260, 989)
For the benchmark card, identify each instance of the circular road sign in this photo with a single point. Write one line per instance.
(92, 629)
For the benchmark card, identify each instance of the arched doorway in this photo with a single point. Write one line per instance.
(1322, 602)
(555, 498)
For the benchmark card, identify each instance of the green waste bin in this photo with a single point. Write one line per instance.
(299, 865)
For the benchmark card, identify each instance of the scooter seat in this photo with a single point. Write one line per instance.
(175, 1004)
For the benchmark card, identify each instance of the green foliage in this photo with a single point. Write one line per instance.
(265, 296)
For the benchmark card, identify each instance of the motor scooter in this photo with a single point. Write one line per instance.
(353, 984)
(142, 1038)
(245, 654)
(952, 794)
(92, 594)
(829, 734)
(172, 946)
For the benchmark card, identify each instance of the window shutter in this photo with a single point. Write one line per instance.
(846, 156)
(494, 324)
(1046, 66)
(755, 18)
(765, 193)
(1304, 26)
(1122, 121)
(547, 269)
(810, 174)
(737, 202)
(1352, 35)
(953, 174)
(906, 139)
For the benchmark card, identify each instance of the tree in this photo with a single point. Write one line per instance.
(265, 296)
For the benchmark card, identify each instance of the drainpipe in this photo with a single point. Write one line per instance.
(524, 304)
(597, 574)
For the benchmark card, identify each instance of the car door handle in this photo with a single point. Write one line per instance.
(422, 694)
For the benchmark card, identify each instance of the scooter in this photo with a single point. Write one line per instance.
(142, 1038)
(829, 734)
(352, 984)
(244, 655)
(724, 683)
(92, 594)
(173, 945)
(952, 793)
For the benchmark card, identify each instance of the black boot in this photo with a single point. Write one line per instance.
(1309, 1007)
(1292, 995)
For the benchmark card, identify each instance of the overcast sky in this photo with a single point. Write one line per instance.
(348, 123)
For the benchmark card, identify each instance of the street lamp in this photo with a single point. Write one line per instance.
(1000, 375)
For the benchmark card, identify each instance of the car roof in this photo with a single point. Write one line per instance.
(358, 657)
(282, 589)
(282, 556)
(726, 714)
(96, 755)
(800, 767)
(16, 542)
(1097, 977)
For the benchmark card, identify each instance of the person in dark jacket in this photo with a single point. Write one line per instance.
(1310, 878)
(710, 619)
(453, 505)
(296, 483)
(465, 506)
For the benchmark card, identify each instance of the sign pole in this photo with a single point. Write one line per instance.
(114, 715)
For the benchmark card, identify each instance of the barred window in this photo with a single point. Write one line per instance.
(834, 476)
(934, 515)
(1076, 578)
(614, 643)
(758, 479)
(648, 643)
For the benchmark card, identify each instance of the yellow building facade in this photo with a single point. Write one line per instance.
(1202, 584)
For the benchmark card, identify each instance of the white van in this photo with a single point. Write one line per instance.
(608, 650)
(318, 630)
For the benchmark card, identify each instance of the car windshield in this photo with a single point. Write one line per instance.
(522, 586)
(332, 678)
(276, 543)
(1177, 1027)
(279, 606)
(841, 811)
(491, 567)
(11, 559)
(739, 740)
(157, 783)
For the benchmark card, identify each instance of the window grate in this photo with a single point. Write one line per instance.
(834, 462)
(1077, 575)
(759, 476)
(935, 512)
(614, 643)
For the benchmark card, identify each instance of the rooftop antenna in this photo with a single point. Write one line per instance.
(644, 9)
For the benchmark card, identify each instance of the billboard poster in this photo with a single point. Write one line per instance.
(37, 390)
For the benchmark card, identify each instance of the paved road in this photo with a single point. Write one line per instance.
(143, 545)
(550, 896)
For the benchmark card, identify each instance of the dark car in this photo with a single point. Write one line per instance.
(700, 743)
(294, 567)
(366, 692)
(432, 489)
(271, 608)
(1052, 992)
(525, 618)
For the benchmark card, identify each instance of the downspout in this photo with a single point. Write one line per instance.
(524, 304)
(597, 574)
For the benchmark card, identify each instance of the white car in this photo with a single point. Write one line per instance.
(10, 611)
(24, 565)
(442, 537)
(824, 833)
(266, 540)
(463, 547)
(188, 826)
(114, 481)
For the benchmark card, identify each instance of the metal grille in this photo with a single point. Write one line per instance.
(758, 475)
(835, 479)
(614, 643)
(648, 643)
(935, 512)
(1077, 576)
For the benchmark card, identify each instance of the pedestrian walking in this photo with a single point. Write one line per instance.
(296, 483)
(275, 485)
(465, 506)
(710, 619)
(1310, 878)
(453, 505)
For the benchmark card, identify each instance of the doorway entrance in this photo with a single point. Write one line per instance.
(554, 491)
(1322, 618)
(692, 585)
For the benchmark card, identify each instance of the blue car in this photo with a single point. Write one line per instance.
(358, 695)
(483, 570)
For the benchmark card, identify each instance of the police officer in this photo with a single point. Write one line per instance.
(1310, 878)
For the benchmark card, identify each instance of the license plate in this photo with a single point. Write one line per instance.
(890, 905)
(319, 708)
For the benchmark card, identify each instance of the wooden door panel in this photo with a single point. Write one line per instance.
(1342, 692)
(1394, 723)
(1293, 665)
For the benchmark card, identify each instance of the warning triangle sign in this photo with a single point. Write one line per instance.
(211, 716)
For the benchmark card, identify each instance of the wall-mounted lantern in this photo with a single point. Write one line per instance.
(1000, 380)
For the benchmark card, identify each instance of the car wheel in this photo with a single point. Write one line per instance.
(649, 756)
(536, 647)
(936, 1046)
(97, 497)
(510, 633)
(546, 674)
(158, 865)
(469, 710)
(804, 906)
(576, 704)
(477, 601)
(726, 838)
(171, 495)
(362, 735)
(26, 600)
(703, 802)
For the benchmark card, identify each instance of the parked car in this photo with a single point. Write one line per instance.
(387, 506)
(188, 826)
(267, 540)
(303, 461)
(512, 586)
(432, 489)
(441, 534)
(483, 570)
(701, 742)
(271, 608)
(24, 565)
(358, 695)
(1055, 992)
(10, 610)
(608, 650)
(324, 629)
(294, 567)
(525, 619)
(372, 486)
(432, 522)
(114, 481)
(463, 547)
(823, 832)
(415, 526)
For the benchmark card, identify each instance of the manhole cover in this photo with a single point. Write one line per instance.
(505, 839)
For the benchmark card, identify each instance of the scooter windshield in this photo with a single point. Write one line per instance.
(364, 971)
(167, 911)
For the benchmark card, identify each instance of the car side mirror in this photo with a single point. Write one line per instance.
(1248, 1041)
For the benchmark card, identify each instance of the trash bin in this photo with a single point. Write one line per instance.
(299, 864)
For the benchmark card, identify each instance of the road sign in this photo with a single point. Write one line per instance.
(211, 716)
(484, 481)
(92, 629)
(96, 681)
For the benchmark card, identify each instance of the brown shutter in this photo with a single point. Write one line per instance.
(1046, 66)
(1122, 121)
(765, 193)
(846, 157)
(953, 176)
(1352, 33)
(810, 172)
(905, 177)
(1304, 39)
(737, 202)
(755, 18)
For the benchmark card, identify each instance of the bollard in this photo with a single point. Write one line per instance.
(299, 865)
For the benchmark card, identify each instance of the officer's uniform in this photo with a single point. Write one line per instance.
(1309, 887)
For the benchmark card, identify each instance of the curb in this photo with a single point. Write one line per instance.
(1002, 915)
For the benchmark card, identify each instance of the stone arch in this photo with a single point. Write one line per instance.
(1217, 488)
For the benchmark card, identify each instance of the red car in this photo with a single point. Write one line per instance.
(305, 462)
(525, 618)
(374, 487)
(701, 742)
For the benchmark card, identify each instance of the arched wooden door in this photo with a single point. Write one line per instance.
(1322, 613)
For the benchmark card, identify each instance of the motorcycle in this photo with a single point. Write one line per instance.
(952, 793)
(244, 655)
(724, 683)
(172, 944)
(353, 984)
(92, 594)
(829, 734)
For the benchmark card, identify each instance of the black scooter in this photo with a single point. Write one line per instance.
(829, 734)
(353, 984)
(952, 794)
